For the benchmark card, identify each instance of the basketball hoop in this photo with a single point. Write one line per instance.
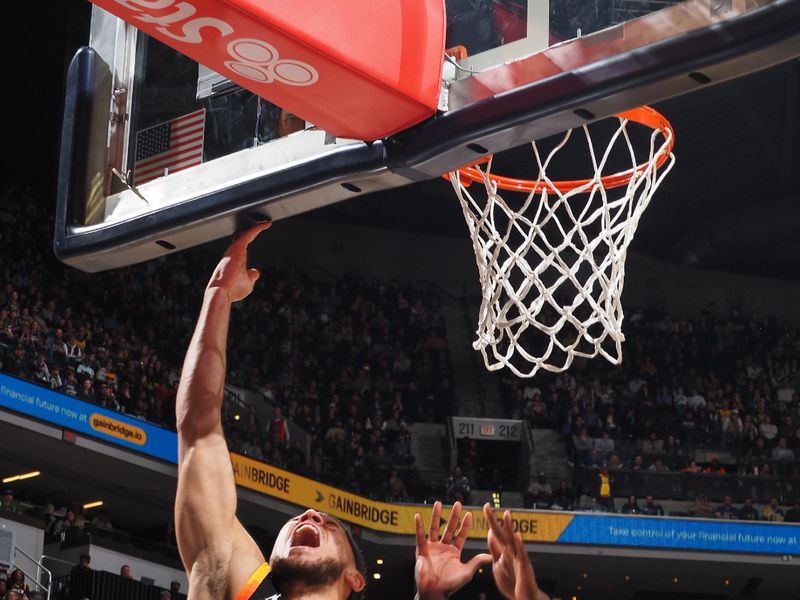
(552, 265)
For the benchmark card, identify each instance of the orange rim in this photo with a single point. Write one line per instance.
(644, 115)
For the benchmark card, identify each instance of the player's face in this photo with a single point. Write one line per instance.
(312, 537)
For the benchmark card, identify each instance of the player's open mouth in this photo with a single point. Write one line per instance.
(306, 535)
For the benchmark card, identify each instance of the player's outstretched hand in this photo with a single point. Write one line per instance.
(511, 568)
(232, 273)
(439, 571)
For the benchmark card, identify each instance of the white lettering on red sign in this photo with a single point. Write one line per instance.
(250, 58)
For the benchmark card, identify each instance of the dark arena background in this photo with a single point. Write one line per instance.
(353, 387)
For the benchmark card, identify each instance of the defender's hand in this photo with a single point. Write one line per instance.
(512, 570)
(232, 273)
(439, 571)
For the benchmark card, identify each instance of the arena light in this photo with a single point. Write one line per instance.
(376, 575)
(94, 504)
(379, 561)
(22, 476)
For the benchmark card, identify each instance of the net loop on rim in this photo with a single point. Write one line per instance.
(552, 264)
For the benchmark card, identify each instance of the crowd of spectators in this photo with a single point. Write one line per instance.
(714, 395)
(601, 497)
(352, 362)
(81, 574)
(13, 584)
(70, 523)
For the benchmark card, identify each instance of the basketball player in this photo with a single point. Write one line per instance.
(314, 555)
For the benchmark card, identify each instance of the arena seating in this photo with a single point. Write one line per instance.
(351, 360)
(699, 406)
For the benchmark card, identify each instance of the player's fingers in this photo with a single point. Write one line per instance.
(494, 526)
(253, 274)
(508, 527)
(494, 546)
(488, 512)
(452, 523)
(422, 542)
(436, 514)
(246, 237)
(524, 564)
(466, 524)
(519, 547)
(476, 561)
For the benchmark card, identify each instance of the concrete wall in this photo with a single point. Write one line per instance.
(29, 538)
(383, 254)
(653, 283)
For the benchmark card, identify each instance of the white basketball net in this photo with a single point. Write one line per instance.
(552, 267)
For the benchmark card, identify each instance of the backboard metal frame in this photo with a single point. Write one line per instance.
(635, 63)
(536, 39)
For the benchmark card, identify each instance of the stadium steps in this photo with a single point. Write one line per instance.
(550, 455)
(427, 445)
(476, 388)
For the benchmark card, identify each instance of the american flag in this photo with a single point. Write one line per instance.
(169, 147)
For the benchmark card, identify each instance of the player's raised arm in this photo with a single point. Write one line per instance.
(208, 532)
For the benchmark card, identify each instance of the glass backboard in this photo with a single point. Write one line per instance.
(160, 153)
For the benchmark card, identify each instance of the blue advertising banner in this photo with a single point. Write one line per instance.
(90, 419)
(683, 534)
